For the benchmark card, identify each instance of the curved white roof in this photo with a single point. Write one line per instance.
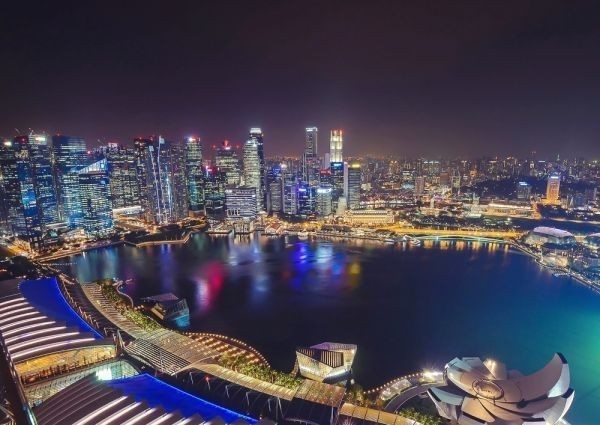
(485, 392)
(552, 231)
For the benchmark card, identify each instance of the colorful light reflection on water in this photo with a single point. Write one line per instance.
(406, 307)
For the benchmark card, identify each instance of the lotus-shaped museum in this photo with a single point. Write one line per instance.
(484, 392)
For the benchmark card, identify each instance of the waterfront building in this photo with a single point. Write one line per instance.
(379, 217)
(553, 189)
(326, 362)
(593, 240)
(141, 149)
(523, 191)
(94, 192)
(122, 174)
(241, 203)
(70, 154)
(336, 142)
(226, 159)
(486, 392)
(254, 166)
(337, 182)
(352, 182)
(542, 235)
(323, 207)
(194, 175)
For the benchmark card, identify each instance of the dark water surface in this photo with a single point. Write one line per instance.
(406, 308)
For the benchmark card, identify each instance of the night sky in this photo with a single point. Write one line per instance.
(421, 78)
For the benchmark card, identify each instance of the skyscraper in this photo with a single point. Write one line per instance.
(28, 187)
(160, 170)
(337, 183)
(323, 207)
(178, 181)
(311, 163)
(419, 185)
(336, 142)
(70, 155)
(257, 134)
(194, 175)
(254, 166)
(122, 174)
(227, 161)
(352, 182)
(94, 191)
(553, 189)
(214, 193)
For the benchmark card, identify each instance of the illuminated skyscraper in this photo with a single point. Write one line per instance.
(306, 199)
(553, 189)
(214, 193)
(178, 181)
(70, 155)
(227, 161)
(28, 187)
(254, 166)
(311, 141)
(337, 182)
(336, 146)
(122, 174)
(352, 182)
(311, 163)
(323, 207)
(94, 191)
(194, 175)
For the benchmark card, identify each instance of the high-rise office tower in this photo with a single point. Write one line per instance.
(178, 181)
(311, 141)
(337, 182)
(94, 192)
(70, 155)
(336, 142)
(290, 195)
(45, 188)
(226, 159)
(254, 166)
(553, 189)
(214, 193)
(306, 199)
(352, 182)
(141, 150)
(241, 203)
(122, 174)
(257, 134)
(311, 163)
(160, 169)
(194, 175)
(28, 187)
(323, 207)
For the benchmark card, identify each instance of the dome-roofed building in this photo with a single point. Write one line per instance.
(484, 392)
(542, 235)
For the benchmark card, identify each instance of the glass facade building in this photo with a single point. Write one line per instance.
(94, 189)
(70, 155)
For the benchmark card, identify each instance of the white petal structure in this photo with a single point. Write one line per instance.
(484, 392)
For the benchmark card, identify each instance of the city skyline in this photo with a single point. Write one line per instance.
(480, 79)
